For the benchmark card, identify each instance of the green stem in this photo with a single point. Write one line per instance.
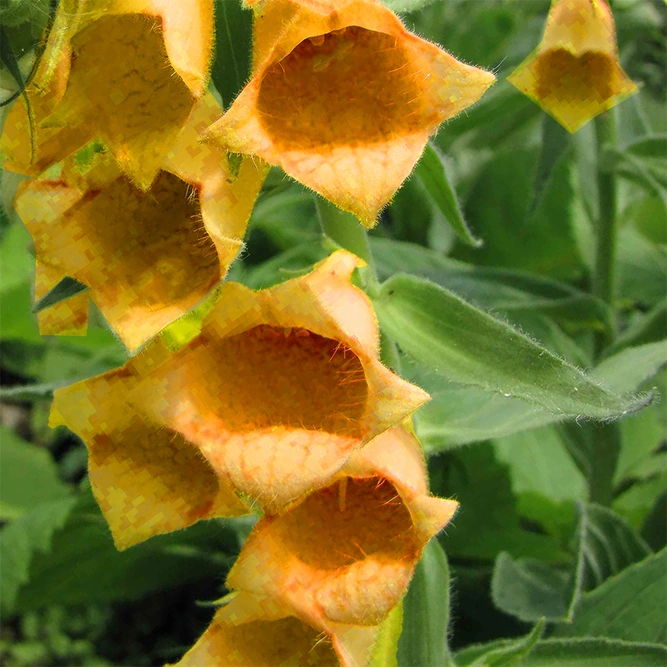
(604, 273)
(606, 437)
(345, 230)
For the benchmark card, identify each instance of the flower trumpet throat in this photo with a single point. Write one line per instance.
(126, 72)
(268, 401)
(344, 98)
(575, 73)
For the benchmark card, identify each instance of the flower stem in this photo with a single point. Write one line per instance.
(606, 437)
(604, 273)
(346, 231)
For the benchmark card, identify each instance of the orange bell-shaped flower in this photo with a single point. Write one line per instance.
(575, 73)
(345, 554)
(251, 631)
(344, 98)
(126, 72)
(147, 256)
(276, 391)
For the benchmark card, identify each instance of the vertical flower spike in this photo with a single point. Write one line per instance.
(344, 98)
(346, 553)
(126, 72)
(147, 256)
(250, 631)
(277, 391)
(575, 73)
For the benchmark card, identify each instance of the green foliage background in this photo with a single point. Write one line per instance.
(557, 556)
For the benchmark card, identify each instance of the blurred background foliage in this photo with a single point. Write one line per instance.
(528, 543)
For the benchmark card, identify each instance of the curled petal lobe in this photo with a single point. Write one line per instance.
(274, 408)
(345, 554)
(344, 98)
(147, 257)
(575, 73)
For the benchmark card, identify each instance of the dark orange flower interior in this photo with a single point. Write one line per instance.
(347, 87)
(269, 376)
(568, 79)
(121, 71)
(349, 521)
(153, 244)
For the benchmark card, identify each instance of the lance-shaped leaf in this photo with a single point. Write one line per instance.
(467, 345)
(126, 72)
(344, 98)
(575, 72)
(346, 553)
(147, 256)
(275, 390)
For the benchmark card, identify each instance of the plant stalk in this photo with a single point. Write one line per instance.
(606, 437)
(345, 230)
(606, 237)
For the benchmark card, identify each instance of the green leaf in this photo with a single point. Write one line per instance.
(431, 172)
(458, 414)
(501, 653)
(423, 640)
(28, 476)
(595, 653)
(630, 605)
(83, 565)
(531, 589)
(469, 346)
(539, 462)
(642, 268)
(487, 521)
(650, 146)
(65, 289)
(233, 46)
(498, 208)
(386, 645)
(17, 265)
(22, 540)
(555, 142)
(403, 6)
(632, 366)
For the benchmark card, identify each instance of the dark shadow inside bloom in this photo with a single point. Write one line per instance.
(347, 87)
(130, 245)
(349, 521)
(563, 78)
(268, 376)
(287, 641)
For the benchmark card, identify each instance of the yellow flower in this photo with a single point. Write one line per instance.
(147, 256)
(344, 98)
(126, 72)
(276, 391)
(575, 73)
(252, 631)
(346, 553)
